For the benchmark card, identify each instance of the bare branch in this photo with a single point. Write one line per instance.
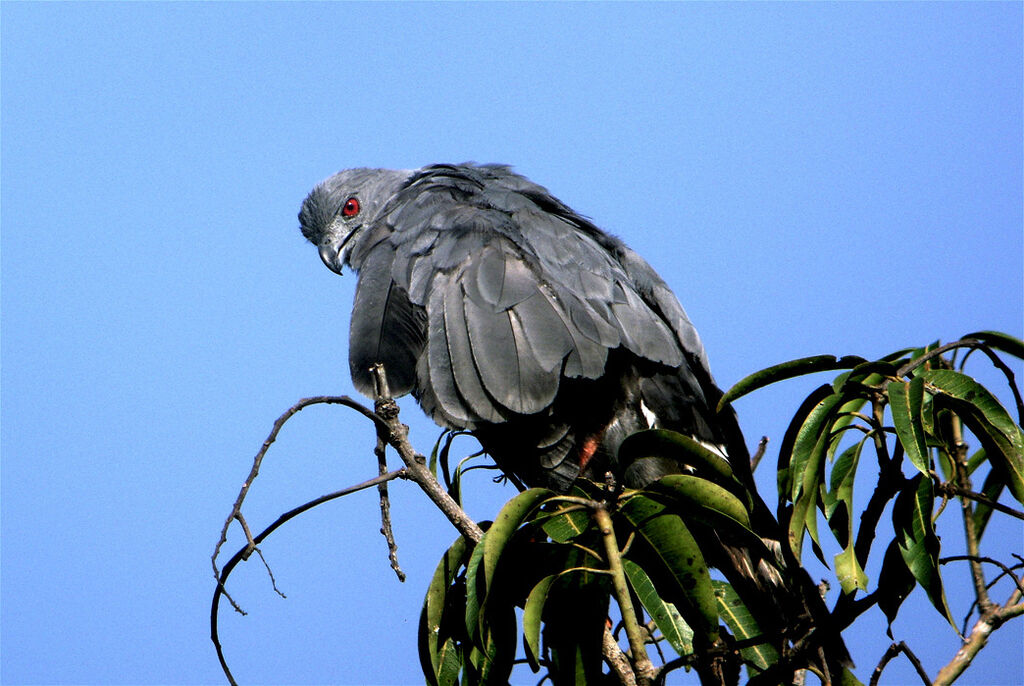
(617, 660)
(762, 446)
(951, 489)
(894, 650)
(396, 435)
(1007, 571)
(989, 621)
(245, 551)
(385, 509)
(236, 510)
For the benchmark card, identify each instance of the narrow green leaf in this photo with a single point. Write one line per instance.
(697, 496)
(895, 582)
(665, 615)
(1000, 341)
(1002, 438)
(476, 591)
(906, 401)
(532, 613)
(512, 515)
(787, 370)
(918, 544)
(677, 551)
(575, 615)
(992, 488)
(744, 627)
(432, 629)
(838, 511)
(810, 403)
(497, 650)
(807, 468)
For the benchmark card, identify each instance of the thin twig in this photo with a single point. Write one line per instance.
(385, 509)
(762, 446)
(244, 553)
(1007, 571)
(962, 480)
(894, 650)
(949, 488)
(236, 509)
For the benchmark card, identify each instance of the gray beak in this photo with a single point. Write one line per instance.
(331, 256)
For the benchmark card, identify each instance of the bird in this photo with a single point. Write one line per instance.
(507, 314)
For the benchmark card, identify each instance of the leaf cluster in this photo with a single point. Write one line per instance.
(552, 569)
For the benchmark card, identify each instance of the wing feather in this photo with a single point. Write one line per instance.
(386, 327)
(467, 379)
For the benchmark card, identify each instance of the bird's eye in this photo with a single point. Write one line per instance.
(351, 208)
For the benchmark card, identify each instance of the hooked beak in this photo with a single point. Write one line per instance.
(332, 257)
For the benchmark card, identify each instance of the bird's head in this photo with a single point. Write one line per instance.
(341, 210)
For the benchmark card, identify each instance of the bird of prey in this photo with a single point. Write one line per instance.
(507, 314)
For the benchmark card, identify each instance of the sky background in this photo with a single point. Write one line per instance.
(809, 178)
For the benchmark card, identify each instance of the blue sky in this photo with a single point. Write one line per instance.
(809, 178)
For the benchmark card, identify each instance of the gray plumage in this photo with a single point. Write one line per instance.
(507, 314)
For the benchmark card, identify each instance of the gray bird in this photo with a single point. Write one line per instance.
(507, 314)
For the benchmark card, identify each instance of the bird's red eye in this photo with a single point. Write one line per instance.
(351, 208)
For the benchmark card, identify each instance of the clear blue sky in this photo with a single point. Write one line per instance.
(809, 178)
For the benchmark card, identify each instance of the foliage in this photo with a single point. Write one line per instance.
(551, 569)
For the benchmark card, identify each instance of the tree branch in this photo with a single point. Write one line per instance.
(989, 621)
(894, 650)
(396, 434)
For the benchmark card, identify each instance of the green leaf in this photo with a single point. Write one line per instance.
(476, 592)
(895, 582)
(787, 370)
(450, 666)
(575, 615)
(696, 496)
(744, 627)
(807, 467)
(991, 489)
(987, 419)
(505, 524)
(676, 551)
(848, 570)
(839, 510)
(918, 544)
(492, 659)
(665, 615)
(532, 613)
(906, 401)
(1000, 341)
(432, 631)
(808, 406)
(563, 521)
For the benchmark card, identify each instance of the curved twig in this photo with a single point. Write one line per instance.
(249, 547)
(894, 650)
(236, 509)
